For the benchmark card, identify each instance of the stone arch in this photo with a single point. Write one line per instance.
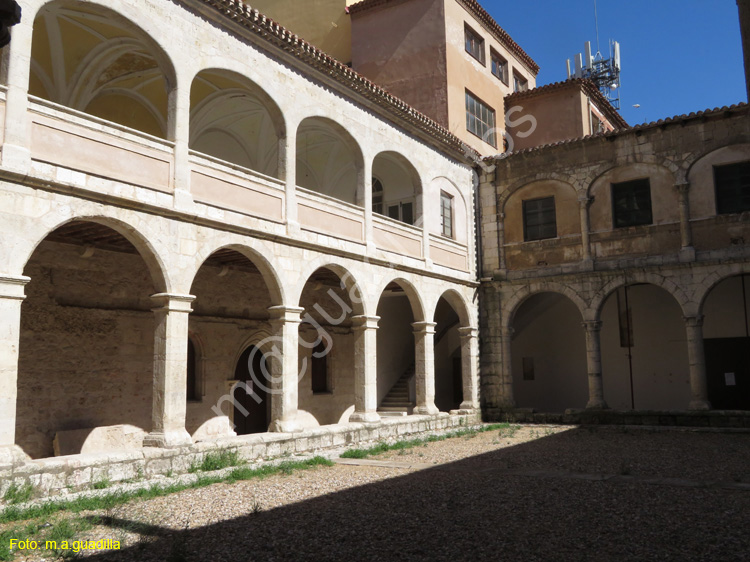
(716, 276)
(270, 276)
(600, 171)
(348, 280)
(462, 213)
(154, 262)
(415, 300)
(519, 297)
(551, 177)
(677, 292)
(457, 302)
(694, 159)
(700, 174)
(400, 180)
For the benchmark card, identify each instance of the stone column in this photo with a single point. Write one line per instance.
(584, 203)
(594, 364)
(505, 397)
(364, 200)
(424, 353)
(170, 371)
(11, 297)
(365, 369)
(697, 361)
(501, 242)
(469, 375)
(687, 251)
(285, 375)
(289, 161)
(179, 131)
(16, 151)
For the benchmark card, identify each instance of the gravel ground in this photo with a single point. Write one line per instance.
(537, 493)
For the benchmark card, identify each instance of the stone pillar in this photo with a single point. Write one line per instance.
(594, 364)
(687, 252)
(11, 297)
(424, 353)
(170, 371)
(16, 151)
(364, 200)
(365, 369)
(289, 161)
(587, 261)
(491, 355)
(179, 131)
(285, 375)
(505, 398)
(697, 361)
(469, 375)
(501, 242)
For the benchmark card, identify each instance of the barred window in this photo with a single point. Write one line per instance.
(474, 44)
(732, 188)
(539, 219)
(480, 119)
(631, 203)
(499, 66)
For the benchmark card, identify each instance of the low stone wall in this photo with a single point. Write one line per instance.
(74, 473)
(711, 418)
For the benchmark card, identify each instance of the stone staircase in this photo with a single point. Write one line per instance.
(396, 403)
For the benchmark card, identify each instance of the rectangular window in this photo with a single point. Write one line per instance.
(520, 84)
(499, 66)
(480, 119)
(474, 44)
(631, 203)
(539, 219)
(446, 214)
(732, 188)
(319, 369)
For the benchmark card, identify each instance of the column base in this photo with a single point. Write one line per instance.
(700, 405)
(286, 426)
(292, 228)
(468, 405)
(364, 417)
(168, 439)
(597, 404)
(429, 410)
(183, 200)
(13, 454)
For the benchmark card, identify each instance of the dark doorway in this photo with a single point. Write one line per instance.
(458, 382)
(251, 402)
(728, 373)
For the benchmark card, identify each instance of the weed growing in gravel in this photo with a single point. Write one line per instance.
(509, 432)
(18, 494)
(101, 484)
(217, 461)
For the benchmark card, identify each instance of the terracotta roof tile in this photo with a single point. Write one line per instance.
(480, 13)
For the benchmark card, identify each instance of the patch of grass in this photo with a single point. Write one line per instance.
(217, 461)
(411, 443)
(509, 432)
(101, 484)
(18, 494)
(112, 499)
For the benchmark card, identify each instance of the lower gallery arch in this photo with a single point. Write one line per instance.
(231, 318)
(548, 354)
(448, 357)
(644, 350)
(326, 346)
(726, 338)
(396, 351)
(87, 344)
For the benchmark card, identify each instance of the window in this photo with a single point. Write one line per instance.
(499, 66)
(539, 219)
(520, 84)
(192, 393)
(732, 188)
(631, 203)
(403, 211)
(377, 196)
(446, 214)
(480, 119)
(319, 369)
(474, 44)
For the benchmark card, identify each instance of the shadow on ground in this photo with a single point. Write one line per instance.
(579, 495)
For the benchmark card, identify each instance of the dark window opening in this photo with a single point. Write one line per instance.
(474, 44)
(192, 393)
(631, 203)
(377, 196)
(499, 66)
(732, 188)
(319, 369)
(539, 219)
(446, 215)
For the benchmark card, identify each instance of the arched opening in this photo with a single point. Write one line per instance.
(644, 350)
(329, 160)
(87, 343)
(93, 60)
(396, 359)
(326, 389)
(230, 315)
(448, 357)
(396, 188)
(726, 337)
(234, 120)
(548, 354)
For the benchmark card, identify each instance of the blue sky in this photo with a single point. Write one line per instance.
(678, 56)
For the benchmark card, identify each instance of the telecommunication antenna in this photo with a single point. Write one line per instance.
(604, 72)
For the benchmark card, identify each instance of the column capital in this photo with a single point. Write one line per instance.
(682, 187)
(364, 322)
(284, 314)
(172, 302)
(424, 327)
(592, 325)
(694, 321)
(11, 286)
(468, 332)
(584, 201)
